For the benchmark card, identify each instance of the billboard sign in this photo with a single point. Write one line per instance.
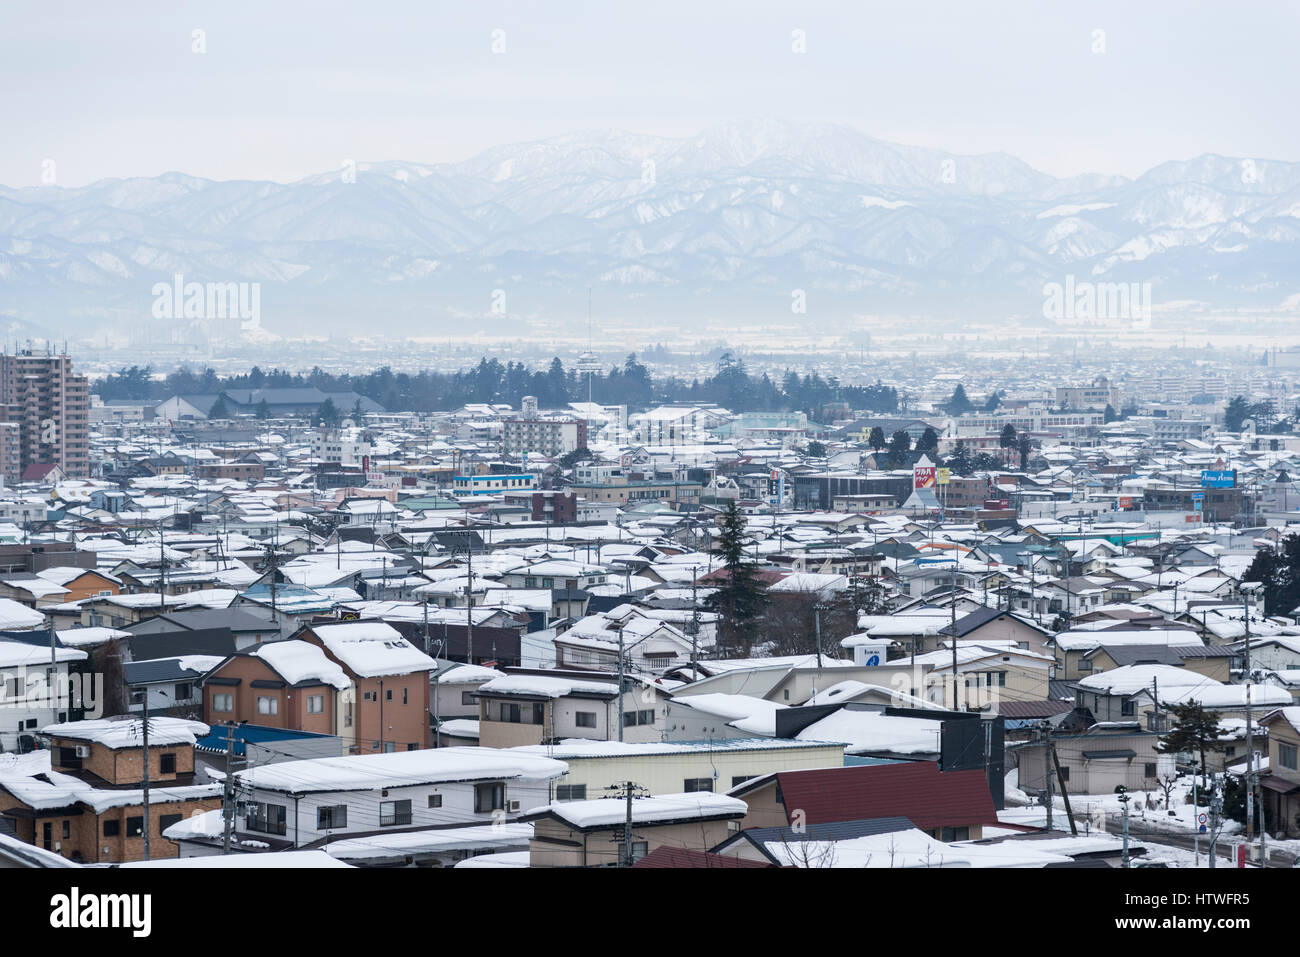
(1213, 478)
(923, 476)
(942, 476)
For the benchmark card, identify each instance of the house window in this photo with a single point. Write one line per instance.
(1128, 708)
(467, 697)
(633, 718)
(585, 719)
(268, 705)
(165, 821)
(570, 792)
(134, 826)
(315, 703)
(167, 763)
(67, 829)
(403, 696)
(949, 834)
(223, 702)
(639, 850)
(267, 818)
(184, 690)
(489, 797)
(741, 779)
(698, 784)
(1149, 770)
(331, 816)
(1286, 755)
(435, 800)
(394, 813)
(112, 828)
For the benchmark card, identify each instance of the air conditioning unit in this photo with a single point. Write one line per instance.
(83, 750)
(512, 807)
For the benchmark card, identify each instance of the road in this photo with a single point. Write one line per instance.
(1136, 829)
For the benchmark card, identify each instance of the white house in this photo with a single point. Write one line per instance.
(293, 803)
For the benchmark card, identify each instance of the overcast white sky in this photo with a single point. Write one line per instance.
(287, 89)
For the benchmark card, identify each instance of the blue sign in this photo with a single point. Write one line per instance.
(1216, 479)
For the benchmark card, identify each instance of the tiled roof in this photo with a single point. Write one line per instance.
(916, 790)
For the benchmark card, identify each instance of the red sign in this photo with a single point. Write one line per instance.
(923, 476)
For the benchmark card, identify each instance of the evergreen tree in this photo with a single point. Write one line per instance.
(815, 450)
(993, 401)
(1024, 446)
(877, 438)
(327, 414)
(960, 404)
(263, 410)
(900, 444)
(1194, 731)
(928, 443)
(1007, 439)
(1237, 411)
(219, 410)
(742, 598)
(960, 461)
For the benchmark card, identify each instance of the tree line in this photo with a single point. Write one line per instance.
(555, 386)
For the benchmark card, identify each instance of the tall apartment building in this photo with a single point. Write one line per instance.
(550, 437)
(51, 407)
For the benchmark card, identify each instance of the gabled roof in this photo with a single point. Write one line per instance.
(675, 857)
(917, 790)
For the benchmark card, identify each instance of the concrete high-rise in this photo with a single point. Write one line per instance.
(51, 407)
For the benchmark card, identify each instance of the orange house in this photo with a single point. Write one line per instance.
(388, 706)
(280, 684)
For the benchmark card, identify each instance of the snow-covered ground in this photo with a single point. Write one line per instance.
(1094, 812)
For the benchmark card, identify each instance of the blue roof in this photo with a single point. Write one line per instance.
(243, 733)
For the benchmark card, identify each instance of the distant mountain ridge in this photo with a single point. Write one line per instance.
(731, 221)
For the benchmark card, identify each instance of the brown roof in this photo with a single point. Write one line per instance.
(665, 856)
(917, 790)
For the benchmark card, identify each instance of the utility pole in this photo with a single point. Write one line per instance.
(1047, 771)
(1124, 799)
(952, 632)
(1250, 740)
(1216, 808)
(1196, 820)
(144, 725)
(694, 626)
(1065, 792)
(629, 790)
(627, 829)
(620, 686)
(228, 800)
(469, 602)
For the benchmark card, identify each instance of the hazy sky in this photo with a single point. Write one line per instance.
(286, 89)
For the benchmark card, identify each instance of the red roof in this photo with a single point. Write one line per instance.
(916, 790)
(36, 472)
(665, 856)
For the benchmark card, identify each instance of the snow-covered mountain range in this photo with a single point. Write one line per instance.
(729, 222)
